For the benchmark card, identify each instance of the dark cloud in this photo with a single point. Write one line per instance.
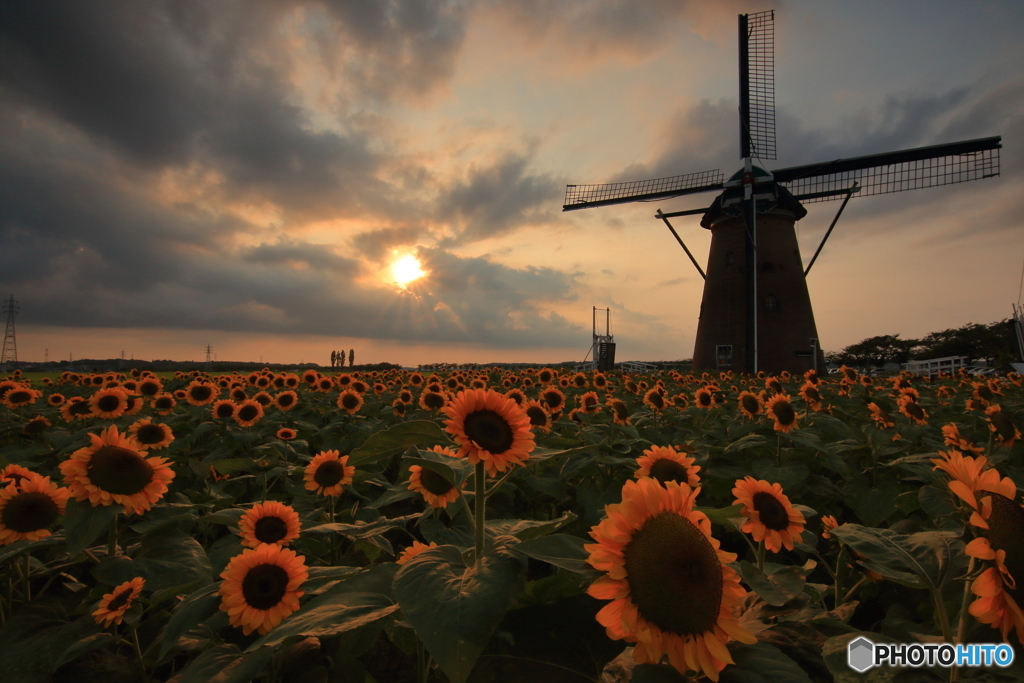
(375, 244)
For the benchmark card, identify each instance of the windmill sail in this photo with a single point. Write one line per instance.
(909, 169)
(757, 85)
(586, 196)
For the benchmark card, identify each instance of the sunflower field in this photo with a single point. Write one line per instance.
(498, 525)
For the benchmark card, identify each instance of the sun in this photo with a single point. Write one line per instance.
(405, 270)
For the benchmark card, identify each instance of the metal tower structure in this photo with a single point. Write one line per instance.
(756, 311)
(10, 351)
(602, 346)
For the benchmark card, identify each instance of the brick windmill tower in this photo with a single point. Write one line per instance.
(756, 310)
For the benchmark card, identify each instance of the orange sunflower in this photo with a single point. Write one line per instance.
(28, 509)
(999, 422)
(655, 399)
(164, 404)
(750, 404)
(223, 409)
(286, 400)
(434, 488)
(115, 469)
(912, 409)
(620, 413)
(489, 428)
(770, 517)
(115, 603)
(780, 408)
(589, 402)
(286, 433)
(432, 400)
(666, 464)
(828, 523)
(703, 398)
(350, 401)
(671, 588)
(269, 522)
(971, 479)
(328, 473)
(14, 474)
(20, 396)
(412, 551)
(201, 393)
(539, 418)
(261, 587)
(248, 413)
(151, 436)
(553, 398)
(881, 417)
(109, 403)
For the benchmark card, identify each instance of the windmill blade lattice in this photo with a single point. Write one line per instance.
(909, 169)
(757, 85)
(586, 196)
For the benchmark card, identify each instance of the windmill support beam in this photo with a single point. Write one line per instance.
(849, 193)
(679, 239)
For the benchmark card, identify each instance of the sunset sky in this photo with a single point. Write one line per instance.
(244, 174)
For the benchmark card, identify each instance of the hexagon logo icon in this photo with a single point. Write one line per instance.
(860, 654)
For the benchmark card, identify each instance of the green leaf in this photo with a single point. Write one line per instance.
(439, 468)
(834, 652)
(936, 502)
(776, 589)
(84, 646)
(926, 559)
(542, 454)
(746, 443)
(722, 515)
(83, 523)
(225, 664)
(32, 642)
(382, 444)
(362, 530)
(875, 504)
(525, 529)
(787, 476)
(761, 663)
(170, 558)
(336, 611)
(455, 609)
(232, 465)
(15, 549)
(193, 610)
(560, 550)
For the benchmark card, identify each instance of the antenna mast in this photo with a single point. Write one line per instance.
(10, 351)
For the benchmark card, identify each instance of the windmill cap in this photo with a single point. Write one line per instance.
(726, 204)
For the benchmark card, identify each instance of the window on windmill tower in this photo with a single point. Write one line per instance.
(723, 357)
(771, 303)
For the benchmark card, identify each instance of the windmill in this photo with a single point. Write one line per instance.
(760, 317)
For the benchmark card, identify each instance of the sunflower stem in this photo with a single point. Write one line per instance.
(991, 443)
(940, 611)
(839, 577)
(25, 577)
(481, 505)
(760, 554)
(138, 653)
(961, 628)
(330, 520)
(469, 511)
(112, 538)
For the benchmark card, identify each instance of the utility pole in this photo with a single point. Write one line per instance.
(10, 350)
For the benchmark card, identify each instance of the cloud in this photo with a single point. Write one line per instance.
(375, 244)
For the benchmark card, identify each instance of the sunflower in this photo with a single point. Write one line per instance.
(223, 409)
(1000, 424)
(263, 398)
(600, 381)
(261, 587)
(115, 603)
(547, 376)
(432, 400)
(971, 478)
(879, 415)
(680, 401)
(489, 428)
(517, 395)
(22, 396)
(539, 418)
(665, 464)
(350, 401)
(109, 403)
(999, 590)
(29, 507)
(150, 387)
(910, 408)
(164, 404)
(238, 394)
(286, 433)
(412, 551)
(248, 413)
(589, 402)
(55, 400)
(115, 469)
(780, 409)
(435, 489)
(655, 399)
(151, 436)
(620, 413)
(828, 523)
(328, 473)
(671, 589)
(553, 398)
(750, 404)
(809, 392)
(702, 397)
(770, 517)
(269, 522)
(200, 393)
(952, 437)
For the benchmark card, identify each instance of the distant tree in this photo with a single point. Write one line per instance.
(992, 343)
(334, 358)
(351, 357)
(875, 351)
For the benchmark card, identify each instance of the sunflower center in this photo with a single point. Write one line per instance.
(434, 482)
(349, 401)
(29, 511)
(784, 412)
(772, 512)
(80, 408)
(119, 470)
(553, 399)
(538, 418)
(329, 473)
(225, 410)
(119, 600)
(985, 393)
(666, 469)
(812, 395)
(1005, 529)
(914, 410)
(434, 401)
(248, 412)
(489, 431)
(201, 392)
(751, 405)
(1004, 427)
(150, 434)
(285, 400)
(656, 400)
(163, 403)
(675, 578)
(620, 409)
(108, 403)
(149, 388)
(270, 529)
(704, 398)
(264, 585)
